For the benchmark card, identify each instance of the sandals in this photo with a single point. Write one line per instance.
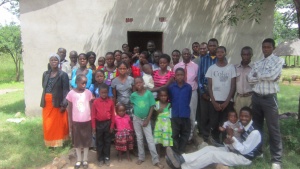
(85, 164)
(77, 165)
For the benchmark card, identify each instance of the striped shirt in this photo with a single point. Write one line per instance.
(160, 80)
(267, 72)
(205, 62)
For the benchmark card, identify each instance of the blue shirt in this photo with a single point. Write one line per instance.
(95, 91)
(180, 98)
(89, 77)
(205, 62)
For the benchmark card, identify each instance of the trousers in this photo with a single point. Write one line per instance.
(266, 107)
(139, 130)
(209, 155)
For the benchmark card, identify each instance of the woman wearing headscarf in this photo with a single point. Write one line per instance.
(55, 118)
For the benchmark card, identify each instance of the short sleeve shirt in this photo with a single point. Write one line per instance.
(160, 80)
(81, 111)
(221, 80)
(124, 90)
(142, 104)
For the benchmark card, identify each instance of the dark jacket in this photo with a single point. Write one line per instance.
(59, 91)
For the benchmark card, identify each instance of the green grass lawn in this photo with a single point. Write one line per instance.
(7, 69)
(22, 144)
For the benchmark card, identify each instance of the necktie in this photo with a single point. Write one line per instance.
(185, 73)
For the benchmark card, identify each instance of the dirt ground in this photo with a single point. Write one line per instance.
(68, 161)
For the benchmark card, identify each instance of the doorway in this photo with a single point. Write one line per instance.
(140, 39)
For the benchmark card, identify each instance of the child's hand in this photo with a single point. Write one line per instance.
(221, 129)
(94, 131)
(111, 130)
(229, 131)
(145, 123)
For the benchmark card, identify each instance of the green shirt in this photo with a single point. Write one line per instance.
(142, 104)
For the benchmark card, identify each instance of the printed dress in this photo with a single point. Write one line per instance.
(124, 136)
(163, 130)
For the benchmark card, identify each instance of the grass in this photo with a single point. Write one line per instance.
(7, 69)
(22, 144)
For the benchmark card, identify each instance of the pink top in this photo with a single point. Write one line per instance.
(81, 111)
(123, 123)
(192, 73)
(160, 80)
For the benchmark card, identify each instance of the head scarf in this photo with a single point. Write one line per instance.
(54, 55)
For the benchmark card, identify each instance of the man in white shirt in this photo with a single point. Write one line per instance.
(264, 76)
(245, 151)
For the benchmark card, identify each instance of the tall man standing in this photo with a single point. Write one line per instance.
(204, 64)
(191, 71)
(264, 75)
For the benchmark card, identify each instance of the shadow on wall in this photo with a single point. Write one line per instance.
(33, 5)
(181, 16)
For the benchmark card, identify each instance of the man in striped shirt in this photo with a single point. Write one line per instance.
(265, 75)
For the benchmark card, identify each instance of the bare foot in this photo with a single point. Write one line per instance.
(139, 162)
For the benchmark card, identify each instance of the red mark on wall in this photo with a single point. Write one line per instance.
(128, 20)
(162, 19)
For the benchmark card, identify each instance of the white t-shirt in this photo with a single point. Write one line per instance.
(221, 80)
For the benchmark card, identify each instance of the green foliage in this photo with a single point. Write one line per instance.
(244, 10)
(285, 16)
(10, 44)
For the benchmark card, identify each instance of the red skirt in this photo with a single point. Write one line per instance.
(124, 140)
(55, 124)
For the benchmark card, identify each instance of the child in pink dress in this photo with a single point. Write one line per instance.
(124, 132)
(79, 108)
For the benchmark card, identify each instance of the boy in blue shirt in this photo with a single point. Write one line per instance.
(180, 97)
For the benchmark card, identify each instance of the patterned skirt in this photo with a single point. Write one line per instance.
(163, 130)
(124, 140)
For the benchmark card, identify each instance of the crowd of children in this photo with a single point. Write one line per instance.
(150, 94)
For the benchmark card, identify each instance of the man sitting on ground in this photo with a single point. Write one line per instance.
(245, 151)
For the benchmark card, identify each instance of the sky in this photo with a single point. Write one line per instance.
(6, 17)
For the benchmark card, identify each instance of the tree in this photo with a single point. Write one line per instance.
(14, 6)
(251, 10)
(10, 43)
(285, 17)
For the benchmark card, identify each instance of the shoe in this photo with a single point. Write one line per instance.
(276, 166)
(173, 157)
(170, 164)
(100, 164)
(77, 165)
(107, 162)
(85, 164)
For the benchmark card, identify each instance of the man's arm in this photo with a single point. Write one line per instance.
(249, 144)
(273, 72)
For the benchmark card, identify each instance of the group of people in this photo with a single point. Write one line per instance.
(165, 99)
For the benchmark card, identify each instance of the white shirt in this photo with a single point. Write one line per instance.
(221, 80)
(148, 80)
(250, 143)
(267, 70)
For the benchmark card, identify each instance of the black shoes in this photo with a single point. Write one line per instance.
(173, 159)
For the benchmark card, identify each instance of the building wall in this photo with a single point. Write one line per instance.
(100, 26)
